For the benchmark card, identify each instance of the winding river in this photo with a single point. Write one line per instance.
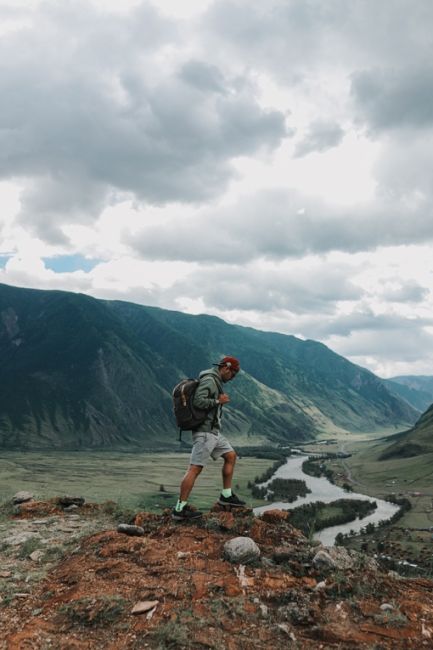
(323, 490)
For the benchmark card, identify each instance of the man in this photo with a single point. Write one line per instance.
(207, 439)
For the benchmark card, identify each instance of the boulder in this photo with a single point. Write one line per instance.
(128, 529)
(22, 497)
(322, 560)
(241, 550)
(342, 558)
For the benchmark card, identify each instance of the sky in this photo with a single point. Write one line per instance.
(270, 163)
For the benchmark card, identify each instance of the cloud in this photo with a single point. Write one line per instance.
(320, 137)
(364, 319)
(293, 38)
(280, 224)
(309, 286)
(406, 292)
(396, 345)
(94, 104)
(388, 98)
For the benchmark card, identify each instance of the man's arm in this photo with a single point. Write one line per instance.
(206, 394)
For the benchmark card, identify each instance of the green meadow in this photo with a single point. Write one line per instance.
(135, 480)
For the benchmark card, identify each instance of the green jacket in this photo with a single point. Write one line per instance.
(205, 397)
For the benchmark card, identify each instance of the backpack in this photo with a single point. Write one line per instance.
(187, 416)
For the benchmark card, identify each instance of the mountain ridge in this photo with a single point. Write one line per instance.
(79, 372)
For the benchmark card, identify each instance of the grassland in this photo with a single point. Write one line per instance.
(411, 478)
(132, 480)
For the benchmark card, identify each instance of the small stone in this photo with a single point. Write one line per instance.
(144, 606)
(128, 529)
(5, 574)
(320, 585)
(264, 610)
(22, 497)
(182, 554)
(386, 607)
(323, 559)
(20, 538)
(36, 555)
(71, 508)
(241, 549)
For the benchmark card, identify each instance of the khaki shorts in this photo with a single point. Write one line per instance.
(208, 445)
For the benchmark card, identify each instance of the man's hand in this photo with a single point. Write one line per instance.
(223, 398)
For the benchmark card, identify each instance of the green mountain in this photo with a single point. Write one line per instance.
(415, 442)
(80, 373)
(417, 390)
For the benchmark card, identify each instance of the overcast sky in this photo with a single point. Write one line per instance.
(267, 162)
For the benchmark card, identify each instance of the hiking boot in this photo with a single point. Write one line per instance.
(231, 501)
(186, 514)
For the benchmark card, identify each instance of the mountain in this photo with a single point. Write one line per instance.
(417, 390)
(77, 373)
(415, 442)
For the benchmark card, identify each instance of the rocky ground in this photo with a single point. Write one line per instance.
(69, 580)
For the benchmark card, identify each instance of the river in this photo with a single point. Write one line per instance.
(323, 490)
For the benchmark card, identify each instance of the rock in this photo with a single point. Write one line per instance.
(183, 554)
(5, 574)
(386, 607)
(242, 550)
(285, 628)
(68, 500)
(296, 614)
(22, 497)
(71, 508)
(36, 555)
(128, 529)
(275, 516)
(342, 558)
(20, 538)
(320, 585)
(322, 559)
(264, 610)
(144, 606)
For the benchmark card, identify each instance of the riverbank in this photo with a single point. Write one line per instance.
(322, 490)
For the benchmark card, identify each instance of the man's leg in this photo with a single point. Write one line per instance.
(180, 512)
(227, 497)
(188, 481)
(228, 469)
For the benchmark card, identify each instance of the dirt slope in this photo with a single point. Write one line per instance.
(196, 597)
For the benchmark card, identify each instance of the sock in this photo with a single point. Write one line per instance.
(227, 492)
(180, 505)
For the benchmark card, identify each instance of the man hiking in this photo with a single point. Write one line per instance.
(207, 439)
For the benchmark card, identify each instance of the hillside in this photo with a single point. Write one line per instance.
(80, 373)
(415, 442)
(177, 586)
(417, 390)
